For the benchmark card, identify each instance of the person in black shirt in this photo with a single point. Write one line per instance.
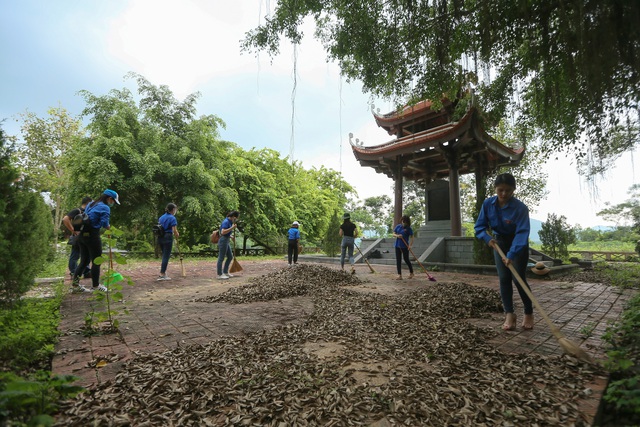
(73, 239)
(348, 232)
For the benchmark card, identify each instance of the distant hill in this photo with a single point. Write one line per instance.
(536, 226)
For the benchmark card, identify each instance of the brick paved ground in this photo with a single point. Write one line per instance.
(163, 315)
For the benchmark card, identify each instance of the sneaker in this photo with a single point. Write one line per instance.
(411, 276)
(230, 275)
(79, 289)
(223, 277)
(399, 277)
(102, 288)
(163, 277)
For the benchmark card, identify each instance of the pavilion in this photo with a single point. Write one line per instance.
(430, 147)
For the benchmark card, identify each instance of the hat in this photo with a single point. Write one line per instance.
(346, 216)
(113, 194)
(540, 268)
(295, 223)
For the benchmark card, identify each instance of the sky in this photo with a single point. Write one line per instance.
(50, 50)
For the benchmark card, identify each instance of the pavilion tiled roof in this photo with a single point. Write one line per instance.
(428, 153)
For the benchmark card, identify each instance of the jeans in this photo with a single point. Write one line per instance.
(506, 278)
(224, 250)
(403, 253)
(74, 256)
(347, 243)
(292, 251)
(166, 244)
(90, 248)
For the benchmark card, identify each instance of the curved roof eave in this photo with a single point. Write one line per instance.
(431, 138)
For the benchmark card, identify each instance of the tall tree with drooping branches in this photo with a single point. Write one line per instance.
(46, 143)
(570, 69)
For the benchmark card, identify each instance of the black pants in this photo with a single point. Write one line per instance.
(90, 248)
(292, 251)
(404, 253)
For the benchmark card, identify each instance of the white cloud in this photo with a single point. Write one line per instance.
(182, 44)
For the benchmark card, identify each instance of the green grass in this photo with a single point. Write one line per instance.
(621, 274)
(57, 267)
(29, 331)
(607, 246)
(622, 396)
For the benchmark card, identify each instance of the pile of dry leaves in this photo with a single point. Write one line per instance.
(360, 359)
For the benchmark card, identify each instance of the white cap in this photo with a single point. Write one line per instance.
(295, 223)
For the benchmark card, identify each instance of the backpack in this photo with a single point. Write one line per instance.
(81, 220)
(158, 231)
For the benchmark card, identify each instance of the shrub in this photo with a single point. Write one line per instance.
(25, 229)
(33, 400)
(623, 393)
(332, 240)
(556, 235)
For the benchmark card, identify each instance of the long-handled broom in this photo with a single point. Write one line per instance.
(568, 346)
(364, 258)
(235, 265)
(431, 278)
(184, 273)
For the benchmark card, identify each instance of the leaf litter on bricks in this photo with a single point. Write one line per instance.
(360, 359)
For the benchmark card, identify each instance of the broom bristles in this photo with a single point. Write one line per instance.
(574, 350)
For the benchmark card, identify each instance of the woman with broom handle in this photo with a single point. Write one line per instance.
(169, 224)
(403, 232)
(224, 248)
(508, 219)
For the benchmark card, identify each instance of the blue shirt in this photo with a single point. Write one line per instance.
(227, 223)
(511, 220)
(168, 221)
(405, 232)
(294, 233)
(99, 214)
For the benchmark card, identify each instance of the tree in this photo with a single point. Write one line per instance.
(153, 153)
(332, 240)
(46, 143)
(413, 197)
(156, 151)
(588, 235)
(375, 214)
(556, 235)
(627, 213)
(531, 180)
(570, 68)
(25, 227)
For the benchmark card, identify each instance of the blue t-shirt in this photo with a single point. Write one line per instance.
(512, 220)
(168, 221)
(99, 214)
(294, 233)
(405, 232)
(227, 223)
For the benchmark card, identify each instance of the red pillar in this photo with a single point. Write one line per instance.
(397, 199)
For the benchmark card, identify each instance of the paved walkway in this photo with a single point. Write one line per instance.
(163, 315)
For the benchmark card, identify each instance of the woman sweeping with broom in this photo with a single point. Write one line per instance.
(403, 234)
(508, 219)
(224, 249)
